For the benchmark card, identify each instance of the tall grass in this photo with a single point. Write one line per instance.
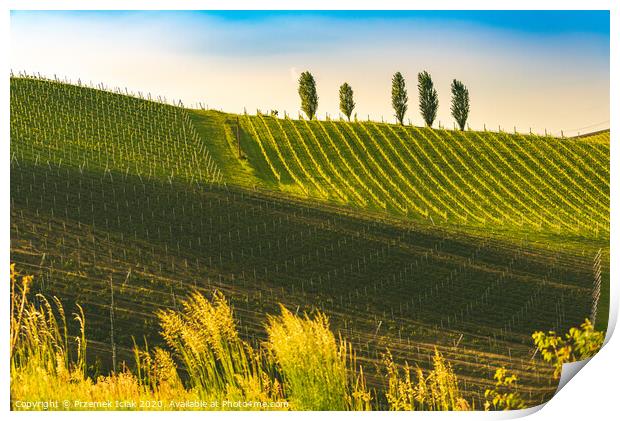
(39, 343)
(220, 365)
(302, 366)
(319, 372)
(49, 366)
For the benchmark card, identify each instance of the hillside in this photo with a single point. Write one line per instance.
(484, 179)
(79, 127)
(526, 183)
(600, 136)
(407, 238)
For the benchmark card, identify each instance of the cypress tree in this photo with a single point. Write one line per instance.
(399, 97)
(429, 103)
(308, 95)
(346, 100)
(460, 103)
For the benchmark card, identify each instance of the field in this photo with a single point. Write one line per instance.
(492, 180)
(407, 238)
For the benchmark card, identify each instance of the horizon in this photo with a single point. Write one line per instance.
(518, 65)
(149, 96)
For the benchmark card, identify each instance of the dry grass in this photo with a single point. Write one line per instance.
(43, 370)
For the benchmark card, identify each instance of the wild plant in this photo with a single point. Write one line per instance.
(319, 372)
(578, 344)
(504, 396)
(414, 391)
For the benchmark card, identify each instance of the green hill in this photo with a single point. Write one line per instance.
(502, 180)
(408, 238)
(84, 128)
(601, 136)
(485, 179)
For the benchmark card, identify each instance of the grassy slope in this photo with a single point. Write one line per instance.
(78, 220)
(218, 131)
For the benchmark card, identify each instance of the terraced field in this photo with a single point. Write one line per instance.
(408, 238)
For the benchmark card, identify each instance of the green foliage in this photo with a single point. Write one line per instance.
(578, 344)
(429, 102)
(399, 97)
(504, 396)
(460, 103)
(346, 100)
(308, 95)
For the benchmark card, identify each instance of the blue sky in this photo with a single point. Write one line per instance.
(538, 22)
(529, 21)
(540, 69)
(526, 21)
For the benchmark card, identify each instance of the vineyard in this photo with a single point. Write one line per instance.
(407, 238)
(492, 180)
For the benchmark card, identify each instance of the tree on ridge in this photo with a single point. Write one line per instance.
(429, 102)
(399, 97)
(308, 95)
(460, 103)
(346, 100)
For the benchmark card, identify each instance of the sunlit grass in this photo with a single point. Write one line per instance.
(411, 389)
(302, 366)
(319, 372)
(219, 364)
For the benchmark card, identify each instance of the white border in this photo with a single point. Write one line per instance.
(591, 394)
(309, 4)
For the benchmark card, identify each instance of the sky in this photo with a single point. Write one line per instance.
(529, 69)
